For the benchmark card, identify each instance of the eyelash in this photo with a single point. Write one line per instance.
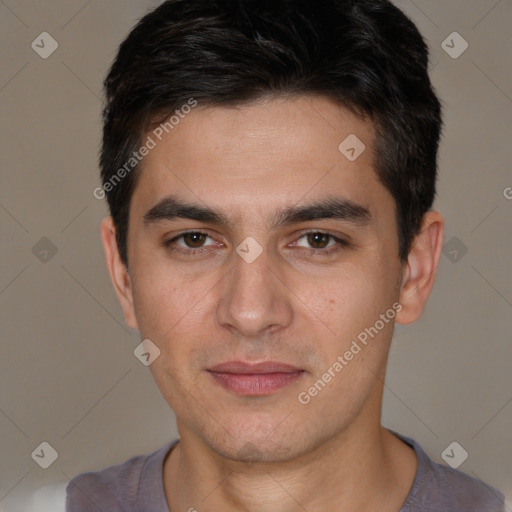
(340, 243)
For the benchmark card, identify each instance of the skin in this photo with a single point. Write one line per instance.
(293, 304)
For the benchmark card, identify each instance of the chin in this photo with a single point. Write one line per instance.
(256, 440)
(259, 450)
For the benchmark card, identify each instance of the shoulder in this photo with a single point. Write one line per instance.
(115, 487)
(457, 491)
(99, 489)
(441, 488)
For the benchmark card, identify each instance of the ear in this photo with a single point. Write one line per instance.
(118, 271)
(419, 271)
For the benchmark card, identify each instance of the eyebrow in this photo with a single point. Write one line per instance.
(338, 208)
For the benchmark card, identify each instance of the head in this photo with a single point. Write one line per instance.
(270, 169)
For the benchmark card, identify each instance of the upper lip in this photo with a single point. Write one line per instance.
(241, 367)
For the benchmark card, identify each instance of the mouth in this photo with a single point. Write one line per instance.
(258, 379)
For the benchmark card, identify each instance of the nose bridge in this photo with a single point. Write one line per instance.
(253, 298)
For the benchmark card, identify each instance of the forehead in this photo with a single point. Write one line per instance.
(262, 155)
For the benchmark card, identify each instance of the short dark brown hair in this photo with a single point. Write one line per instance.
(365, 54)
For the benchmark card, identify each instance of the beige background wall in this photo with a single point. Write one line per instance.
(67, 372)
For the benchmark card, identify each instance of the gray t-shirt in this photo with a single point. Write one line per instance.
(137, 486)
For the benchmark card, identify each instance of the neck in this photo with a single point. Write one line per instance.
(364, 467)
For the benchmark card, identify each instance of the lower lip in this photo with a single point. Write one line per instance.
(260, 384)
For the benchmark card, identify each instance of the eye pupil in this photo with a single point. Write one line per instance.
(194, 239)
(318, 238)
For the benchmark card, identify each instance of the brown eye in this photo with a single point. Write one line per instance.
(318, 240)
(320, 243)
(194, 240)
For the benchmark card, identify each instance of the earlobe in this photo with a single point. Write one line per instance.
(118, 271)
(420, 270)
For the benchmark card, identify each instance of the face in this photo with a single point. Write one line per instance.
(251, 287)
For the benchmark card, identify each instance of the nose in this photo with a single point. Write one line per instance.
(254, 298)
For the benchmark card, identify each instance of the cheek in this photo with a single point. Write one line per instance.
(357, 330)
(164, 294)
(171, 314)
(346, 299)
(175, 311)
